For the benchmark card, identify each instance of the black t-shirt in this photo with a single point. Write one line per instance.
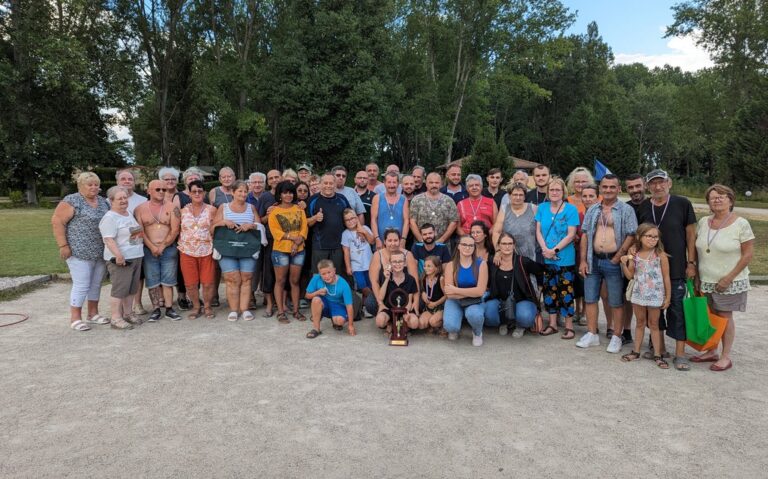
(327, 233)
(535, 197)
(367, 199)
(671, 223)
(636, 207)
(420, 253)
(408, 285)
(497, 197)
(266, 199)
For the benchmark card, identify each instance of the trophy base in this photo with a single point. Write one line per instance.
(398, 342)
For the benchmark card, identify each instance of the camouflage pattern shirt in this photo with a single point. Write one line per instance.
(440, 212)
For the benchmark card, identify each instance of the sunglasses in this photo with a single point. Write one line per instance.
(158, 190)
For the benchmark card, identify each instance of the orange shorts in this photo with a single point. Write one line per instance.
(197, 270)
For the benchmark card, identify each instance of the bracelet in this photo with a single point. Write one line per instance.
(64, 246)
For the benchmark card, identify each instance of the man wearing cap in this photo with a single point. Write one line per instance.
(304, 171)
(674, 217)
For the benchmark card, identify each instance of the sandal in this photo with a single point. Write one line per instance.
(314, 333)
(79, 325)
(297, 315)
(631, 356)
(569, 334)
(681, 364)
(232, 316)
(209, 314)
(269, 313)
(97, 319)
(247, 316)
(338, 327)
(705, 359)
(660, 362)
(121, 324)
(195, 314)
(649, 355)
(549, 330)
(282, 318)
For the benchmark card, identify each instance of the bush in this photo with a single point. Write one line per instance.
(17, 198)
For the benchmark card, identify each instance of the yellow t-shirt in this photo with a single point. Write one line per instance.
(283, 221)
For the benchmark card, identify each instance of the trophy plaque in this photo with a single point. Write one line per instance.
(399, 335)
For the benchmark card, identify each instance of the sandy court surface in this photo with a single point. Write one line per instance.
(208, 398)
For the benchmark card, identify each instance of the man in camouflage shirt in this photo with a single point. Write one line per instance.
(435, 208)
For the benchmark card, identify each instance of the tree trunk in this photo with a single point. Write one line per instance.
(31, 192)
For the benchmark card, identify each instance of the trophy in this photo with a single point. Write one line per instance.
(399, 335)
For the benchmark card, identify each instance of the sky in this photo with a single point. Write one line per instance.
(635, 32)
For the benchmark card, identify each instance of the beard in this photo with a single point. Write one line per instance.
(430, 241)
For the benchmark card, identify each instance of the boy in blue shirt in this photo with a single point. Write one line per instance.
(330, 297)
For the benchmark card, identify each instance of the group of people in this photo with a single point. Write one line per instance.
(510, 257)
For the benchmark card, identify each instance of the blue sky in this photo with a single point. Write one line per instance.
(635, 30)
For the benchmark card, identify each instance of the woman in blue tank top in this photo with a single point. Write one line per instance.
(466, 282)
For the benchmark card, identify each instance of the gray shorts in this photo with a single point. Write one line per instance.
(728, 302)
(125, 279)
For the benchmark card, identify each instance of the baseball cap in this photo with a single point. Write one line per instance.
(304, 166)
(656, 174)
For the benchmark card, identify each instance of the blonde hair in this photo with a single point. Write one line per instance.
(579, 170)
(86, 177)
(723, 190)
(561, 183)
(288, 172)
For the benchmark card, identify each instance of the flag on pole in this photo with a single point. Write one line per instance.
(600, 170)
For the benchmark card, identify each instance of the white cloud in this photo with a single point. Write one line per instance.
(684, 54)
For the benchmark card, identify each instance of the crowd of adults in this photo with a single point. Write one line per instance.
(506, 256)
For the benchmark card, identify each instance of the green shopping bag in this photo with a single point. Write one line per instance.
(698, 329)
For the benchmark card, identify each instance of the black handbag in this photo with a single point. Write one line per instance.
(465, 302)
(507, 308)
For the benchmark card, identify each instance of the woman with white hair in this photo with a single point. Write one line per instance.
(183, 198)
(223, 193)
(170, 178)
(76, 229)
(475, 207)
(123, 250)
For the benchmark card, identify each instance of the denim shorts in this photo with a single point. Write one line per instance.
(285, 259)
(161, 270)
(229, 264)
(604, 270)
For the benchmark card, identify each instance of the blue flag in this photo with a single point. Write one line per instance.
(600, 170)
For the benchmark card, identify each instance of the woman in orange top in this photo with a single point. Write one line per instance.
(288, 224)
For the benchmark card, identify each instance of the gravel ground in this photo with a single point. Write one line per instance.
(210, 398)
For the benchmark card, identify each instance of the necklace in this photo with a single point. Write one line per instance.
(604, 219)
(196, 218)
(474, 210)
(328, 288)
(391, 208)
(663, 213)
(430, 289)
(432, 205)
(159, 213)
(717, 230)
(557, 211)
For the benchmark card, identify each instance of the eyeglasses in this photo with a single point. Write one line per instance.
(170, 179)
(350, 218)
(158, 190)
(467, 245)
(651, 236)
(341, 175)
(397, 261)
(197, 192)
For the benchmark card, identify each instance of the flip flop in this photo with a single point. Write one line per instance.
(569, 334)
(313, 334)
(681, 364)
(715, 367)
(702, 359)
(268, 313)
(549, 330)
(209, 314)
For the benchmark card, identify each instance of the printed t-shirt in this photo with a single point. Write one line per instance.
(359, 249)
(440, 212)
(287, 220)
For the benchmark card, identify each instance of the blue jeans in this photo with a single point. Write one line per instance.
(454, 313)
(229, 264)
(161, 270)
(603, 269)
(525, 313)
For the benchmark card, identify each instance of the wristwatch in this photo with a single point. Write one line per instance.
(557, 250)
(692, 262)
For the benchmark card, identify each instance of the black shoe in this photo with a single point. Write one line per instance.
(185, 304)
(626, 338)
(215, 303)
(172, 314)
(155, 316)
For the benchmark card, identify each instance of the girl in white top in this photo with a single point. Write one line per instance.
(356, 244)
(724, 247)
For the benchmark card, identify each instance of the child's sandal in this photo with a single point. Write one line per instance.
(660, 362)
(631, 356)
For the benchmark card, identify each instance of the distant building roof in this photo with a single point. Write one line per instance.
(518, 163)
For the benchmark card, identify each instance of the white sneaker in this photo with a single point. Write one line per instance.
(589, 339)
(453, 336)
(582, 320)
(615, 345)
(518, 333)
(477, 340)
(503, 330)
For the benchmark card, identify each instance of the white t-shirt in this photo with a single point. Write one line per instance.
(127, 234)
(133, 201)
(359, 250)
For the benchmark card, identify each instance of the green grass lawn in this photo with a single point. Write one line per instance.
(27, 245)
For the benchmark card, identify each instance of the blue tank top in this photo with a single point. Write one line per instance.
(390, 216)
(466, 278)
